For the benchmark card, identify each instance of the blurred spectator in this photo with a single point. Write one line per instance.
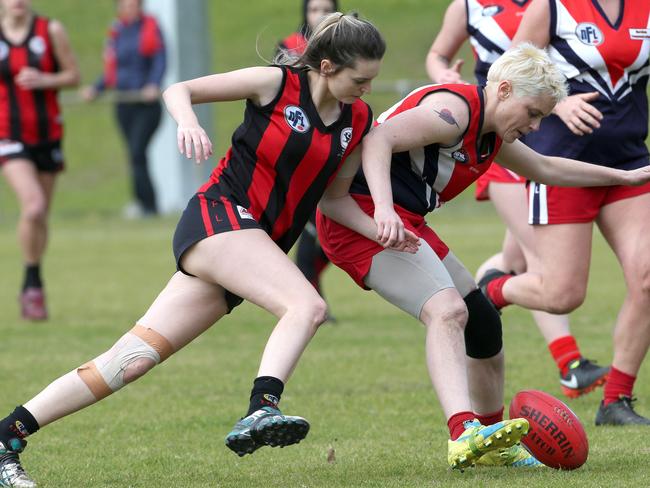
(36, 60)
(134, 65)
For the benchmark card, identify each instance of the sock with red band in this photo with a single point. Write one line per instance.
(618, 384)
(456, 421)
(490, 418)
(564, 350)
(495, 291)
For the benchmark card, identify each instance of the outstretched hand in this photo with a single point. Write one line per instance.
(193, 142)
(578, 114)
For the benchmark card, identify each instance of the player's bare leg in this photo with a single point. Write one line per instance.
(253, 267)
(34, 192)
(626, 226)
(444, 317)
(183, 310)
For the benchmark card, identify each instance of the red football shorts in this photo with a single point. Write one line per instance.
(353, 253)
(571, 205)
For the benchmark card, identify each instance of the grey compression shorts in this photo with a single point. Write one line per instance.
(408, 281)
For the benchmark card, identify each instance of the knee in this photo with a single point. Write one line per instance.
(644, 286)
(454, 314)
(35, 210)
(311, 312)
(137, 368)
(483, 333)
(639, 284)
(317, 312)
(131, 357)
(564, 300)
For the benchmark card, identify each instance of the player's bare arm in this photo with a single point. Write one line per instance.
(440, 118)
(535, 25)
(337, 204)
(68, 75)
(451, 37)
(558, 171)
(259, 84)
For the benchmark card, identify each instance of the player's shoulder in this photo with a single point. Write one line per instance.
(54, 26)
(452, 107)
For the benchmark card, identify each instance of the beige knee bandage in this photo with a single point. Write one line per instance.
(105, 374)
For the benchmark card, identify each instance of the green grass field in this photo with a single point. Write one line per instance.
(362, 383)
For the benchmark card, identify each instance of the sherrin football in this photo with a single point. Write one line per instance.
(556, 436)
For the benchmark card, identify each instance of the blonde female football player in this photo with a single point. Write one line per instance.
(490, 28)
(433, 144)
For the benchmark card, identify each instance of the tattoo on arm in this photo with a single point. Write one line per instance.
(446, 115)
(444, 59)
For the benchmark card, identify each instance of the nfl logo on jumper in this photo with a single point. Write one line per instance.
(589, 34)
(296, 118)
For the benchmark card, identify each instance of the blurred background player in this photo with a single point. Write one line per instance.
(134, 65)
(302, 123)
(490, 26)
(36, 60)
(603, 48)
(310, 258)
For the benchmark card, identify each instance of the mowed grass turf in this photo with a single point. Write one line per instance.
(362, 383)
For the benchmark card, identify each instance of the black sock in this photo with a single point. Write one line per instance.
(32, 276)
(266, 392)
(17, 425)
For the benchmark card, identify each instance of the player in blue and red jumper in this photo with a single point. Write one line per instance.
(303, 126)
(435, 143)
(36, 60)
(134, 63)
(490, 26)
(603, 48)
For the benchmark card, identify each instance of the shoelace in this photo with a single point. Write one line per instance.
(10, 463)
(628, 401)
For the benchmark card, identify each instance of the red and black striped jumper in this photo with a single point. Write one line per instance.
(281, 160)
(30, 120)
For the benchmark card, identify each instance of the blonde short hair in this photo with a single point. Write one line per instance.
(531, 72)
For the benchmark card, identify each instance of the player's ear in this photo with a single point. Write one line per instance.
(327, 68)
(504, 90)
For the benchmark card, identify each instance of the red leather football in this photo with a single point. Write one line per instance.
(556, 436)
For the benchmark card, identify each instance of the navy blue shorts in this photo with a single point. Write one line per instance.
(47, 156)
(206, 214)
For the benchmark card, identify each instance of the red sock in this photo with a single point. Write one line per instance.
(564, 350)
(495, 291)
(490, 418)
(455, 423)
(618, 384)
